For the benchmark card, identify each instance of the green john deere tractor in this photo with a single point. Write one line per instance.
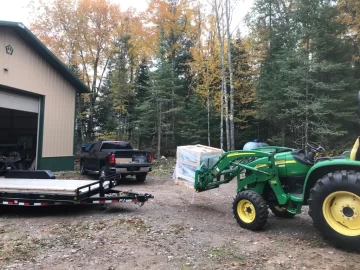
(284, 179)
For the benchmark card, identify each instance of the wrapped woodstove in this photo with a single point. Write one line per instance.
(188, 160)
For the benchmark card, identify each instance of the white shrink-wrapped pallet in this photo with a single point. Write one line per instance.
(189, 159)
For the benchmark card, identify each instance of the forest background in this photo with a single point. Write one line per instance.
(179, 74)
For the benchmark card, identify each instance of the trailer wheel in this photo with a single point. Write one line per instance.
(250, 210)
(334, 206)
(141, 177)
(280, 211)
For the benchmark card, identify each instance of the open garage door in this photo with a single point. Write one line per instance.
(19, 114)
(21, 102)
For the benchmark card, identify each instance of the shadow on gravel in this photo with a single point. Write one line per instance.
(298, 228)
(130, 181)
(206, 209)
(13, 212)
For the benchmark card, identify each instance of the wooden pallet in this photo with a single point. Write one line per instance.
(181, 182)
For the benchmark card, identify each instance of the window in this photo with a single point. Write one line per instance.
(116, 146)
(91, 147)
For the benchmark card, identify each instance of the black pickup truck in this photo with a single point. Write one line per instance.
(115, 156)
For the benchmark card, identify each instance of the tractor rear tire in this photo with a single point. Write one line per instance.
(280, 211)
(250, 210)
(334, 206)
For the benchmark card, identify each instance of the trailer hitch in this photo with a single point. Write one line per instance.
(142, 198)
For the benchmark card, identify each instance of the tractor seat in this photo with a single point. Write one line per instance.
(301, 157)
(355, 153)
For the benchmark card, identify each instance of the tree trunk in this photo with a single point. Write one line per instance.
(270, 26)
(172, 98)
(283, 136)
(232, 139)
(80, 122)
(223, 81)
(226, 100)
(90, 129)
(159, 130)
(208, 102)
(307, 96)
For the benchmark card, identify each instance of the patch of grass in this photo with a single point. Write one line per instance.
(279, 244)
(236, 255)
(315, 243)
(135, 223)
(227, 254)
(70, 175)
(20, 247)
(178, 228)
(85, 227)
(185, 267)
(218, 252)
(70, 231)
(163, 167)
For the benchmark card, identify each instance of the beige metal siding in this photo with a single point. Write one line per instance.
(28, 71)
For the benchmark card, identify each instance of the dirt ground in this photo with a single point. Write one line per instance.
(178, 229)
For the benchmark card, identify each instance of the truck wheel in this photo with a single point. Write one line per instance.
(82, 170)
(280, 211)
(250, 210)
(141, 177)
(334, 207)
(102, 173)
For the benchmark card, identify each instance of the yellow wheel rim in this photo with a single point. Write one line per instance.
(246, 211)
(341, 211)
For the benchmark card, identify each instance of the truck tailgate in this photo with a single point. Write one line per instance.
(130, 156)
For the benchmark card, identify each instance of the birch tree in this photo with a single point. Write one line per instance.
(231, 74)
(223, 96)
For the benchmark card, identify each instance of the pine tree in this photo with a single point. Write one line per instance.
(244, 92)
(306, 73)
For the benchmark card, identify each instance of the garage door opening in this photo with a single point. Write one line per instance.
(18, 136)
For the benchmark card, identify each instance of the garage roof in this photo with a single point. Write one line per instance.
(41, 49)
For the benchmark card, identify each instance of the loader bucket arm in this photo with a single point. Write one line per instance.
(229, 166)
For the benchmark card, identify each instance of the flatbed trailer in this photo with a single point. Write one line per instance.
(46, 192)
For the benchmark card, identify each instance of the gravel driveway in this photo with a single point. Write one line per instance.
(178, 229)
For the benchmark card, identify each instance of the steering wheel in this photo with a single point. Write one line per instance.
(316, 148)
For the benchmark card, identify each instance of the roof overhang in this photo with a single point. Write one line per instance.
(48, 56)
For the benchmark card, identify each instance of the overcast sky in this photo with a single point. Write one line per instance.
(16, 10)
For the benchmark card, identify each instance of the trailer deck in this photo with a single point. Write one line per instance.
(49, 186)
(43, 192)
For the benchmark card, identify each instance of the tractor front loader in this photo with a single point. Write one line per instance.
(285, 179)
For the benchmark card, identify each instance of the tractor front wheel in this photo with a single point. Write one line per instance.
(250, 210)
(334, 207)
(280, 211)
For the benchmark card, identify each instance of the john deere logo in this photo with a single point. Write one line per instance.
(9, 49)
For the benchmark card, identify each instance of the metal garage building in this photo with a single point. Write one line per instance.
(37, 101)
